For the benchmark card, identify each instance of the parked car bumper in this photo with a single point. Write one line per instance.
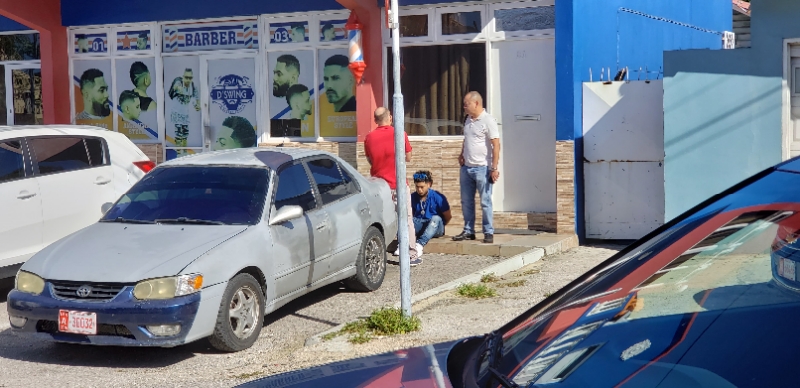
(121, 321)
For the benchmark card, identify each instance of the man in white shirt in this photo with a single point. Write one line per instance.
(479, 157)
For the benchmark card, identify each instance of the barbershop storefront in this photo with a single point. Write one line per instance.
(190, 86)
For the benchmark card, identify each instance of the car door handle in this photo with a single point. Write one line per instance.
(101, 181)
(322, 226)
(25, 195)
(363, 210)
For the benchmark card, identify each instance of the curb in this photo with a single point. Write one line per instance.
(511, 264)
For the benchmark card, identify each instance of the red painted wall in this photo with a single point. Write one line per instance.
(45, 16)
(369, 94)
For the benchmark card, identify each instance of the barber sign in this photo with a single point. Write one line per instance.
(211, 36)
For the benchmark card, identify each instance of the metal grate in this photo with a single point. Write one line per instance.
(97, 292)
(51, 327)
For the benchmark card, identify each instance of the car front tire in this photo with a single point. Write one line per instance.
(240, 316)
(371, 262)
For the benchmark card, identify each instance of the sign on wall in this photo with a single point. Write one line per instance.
(332, 30)
(182, 102)
(92, 86)
(137, 103)
(337, 99)
(289, 32)
(210, 36)
(134, 41)
(233, 111)
(90, 43)
(291, 101)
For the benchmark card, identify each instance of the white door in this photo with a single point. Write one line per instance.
(20, 207)
(230, 105)
(24, 94)
(793, 136)
(525, 83)
(75, 182)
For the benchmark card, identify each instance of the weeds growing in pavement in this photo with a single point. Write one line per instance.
(476, 291)
(489, 278)
(517, 283)
(528, 272)
(384, 321)
(547, 294)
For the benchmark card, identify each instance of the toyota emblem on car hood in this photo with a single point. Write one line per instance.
(84, 291)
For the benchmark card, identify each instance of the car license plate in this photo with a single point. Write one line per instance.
(787, 269)
(77, 322)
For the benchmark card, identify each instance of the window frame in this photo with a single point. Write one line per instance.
(27, 165)
(310, 159)
(35, 159)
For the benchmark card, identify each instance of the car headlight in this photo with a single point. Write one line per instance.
(165, 288)
(28, 282)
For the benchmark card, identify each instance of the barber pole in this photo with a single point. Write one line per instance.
(357, 64)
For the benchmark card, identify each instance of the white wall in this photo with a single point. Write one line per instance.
(623, 148)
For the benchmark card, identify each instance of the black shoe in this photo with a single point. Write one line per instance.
(488, 238)
(464, 236)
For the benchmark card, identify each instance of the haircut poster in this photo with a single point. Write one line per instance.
(92, 84)
(184, 127)
(233, 106)
(137, 103)
(337, 101)
(291, 101)
(332, 30)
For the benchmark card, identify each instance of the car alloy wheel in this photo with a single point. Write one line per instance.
(374, 259)
(244, 312)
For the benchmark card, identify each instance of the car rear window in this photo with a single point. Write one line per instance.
(228, 195)
(60, 154)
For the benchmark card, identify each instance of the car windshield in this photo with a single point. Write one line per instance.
(196, 195)
(710, 301)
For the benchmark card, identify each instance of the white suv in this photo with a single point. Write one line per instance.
(55, 180)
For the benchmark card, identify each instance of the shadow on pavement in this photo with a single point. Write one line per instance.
(301, 303)
(6, 285)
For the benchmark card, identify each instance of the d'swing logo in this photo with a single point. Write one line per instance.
(232, 93)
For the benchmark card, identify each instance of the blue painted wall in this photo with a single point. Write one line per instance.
(88, 12)
(722, 109)
(599, 35)
(7, 24)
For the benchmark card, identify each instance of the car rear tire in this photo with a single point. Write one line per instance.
(240, 316)
(371, 262)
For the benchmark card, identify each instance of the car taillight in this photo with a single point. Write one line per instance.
(145, 166)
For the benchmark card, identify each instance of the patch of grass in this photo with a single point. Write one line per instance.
(330, 336)
(547, 294)
(476, 291)
(385, 321)
(250, 375)
(489, 278)
(517, 283)
(528, 272)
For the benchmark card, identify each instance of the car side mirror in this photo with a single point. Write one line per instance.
(286, 213)
(104, 208)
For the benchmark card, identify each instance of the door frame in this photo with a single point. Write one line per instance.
(9, 80)
(205, 104)
(787, 127)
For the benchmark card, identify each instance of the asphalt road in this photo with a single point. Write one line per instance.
(26, 361)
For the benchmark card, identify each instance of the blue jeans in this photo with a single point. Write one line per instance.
(472, 179)
(427, 229)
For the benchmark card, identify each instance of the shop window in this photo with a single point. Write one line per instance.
(525, 19)
(434, 80)
(461, 23)
(412, 26)
(19, 47)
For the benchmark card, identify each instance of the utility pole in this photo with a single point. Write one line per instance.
(400, 164)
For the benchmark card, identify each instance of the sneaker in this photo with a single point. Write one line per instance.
(415, 262)
(464, 236)
(488, 238)
(396, 252)
(419, 250)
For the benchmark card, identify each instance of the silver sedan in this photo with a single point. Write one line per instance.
(205, 246)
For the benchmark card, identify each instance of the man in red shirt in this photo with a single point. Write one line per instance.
(379, 147)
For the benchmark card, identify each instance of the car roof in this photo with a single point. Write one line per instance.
(272, 157)
(10, 132)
